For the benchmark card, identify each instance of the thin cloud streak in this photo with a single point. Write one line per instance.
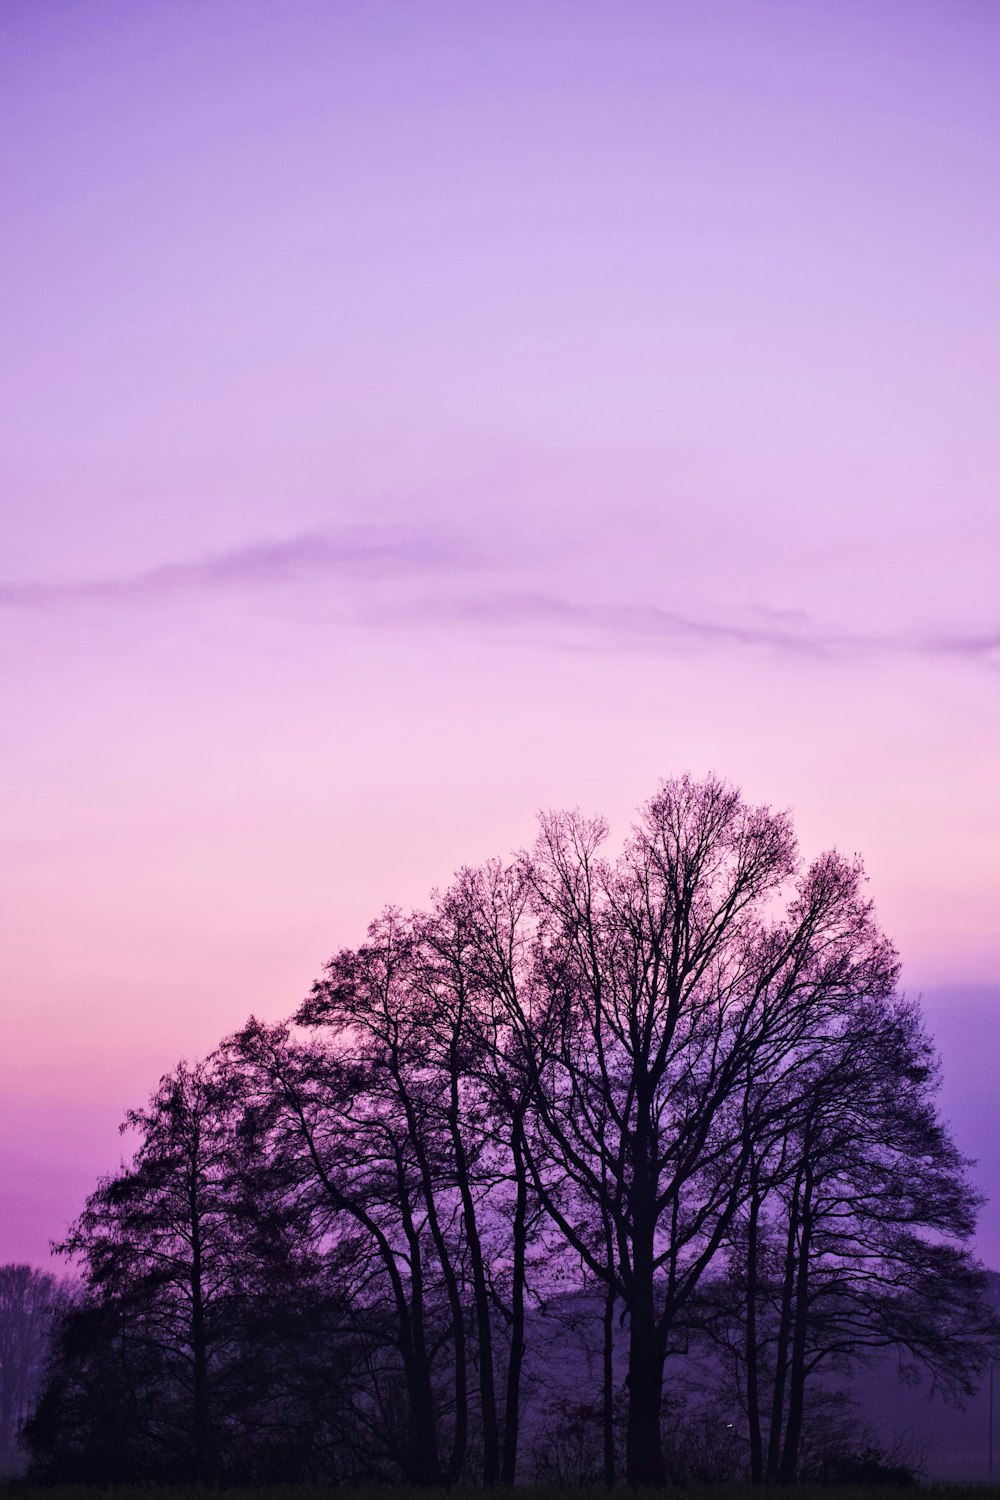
(261, 564)
(651, 626)
(361, 557)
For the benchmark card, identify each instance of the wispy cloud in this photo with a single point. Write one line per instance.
(602, 625)
(356, 553)
(450, 585)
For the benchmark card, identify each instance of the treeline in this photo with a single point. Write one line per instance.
(675, 1093)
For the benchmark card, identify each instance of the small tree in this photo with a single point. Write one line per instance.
(160, 1252)
(30, 1304)
(853, 1237)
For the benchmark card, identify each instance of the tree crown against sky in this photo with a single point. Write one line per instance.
(677, 1082)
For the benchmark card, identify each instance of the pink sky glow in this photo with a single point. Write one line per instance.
(416, 415)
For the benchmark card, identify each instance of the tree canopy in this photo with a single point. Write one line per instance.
(671, 1097)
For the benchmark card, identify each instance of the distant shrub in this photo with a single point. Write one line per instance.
(900, 1466)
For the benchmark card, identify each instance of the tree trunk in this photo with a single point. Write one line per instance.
(460, 1437)
(784, 1335)
(644, 1449)
(608, 1384)
(643, 1440)
(752, 1352)
(199, 1350)
(512, 1414)
(480, 1292)
(424, 1465)
(797, 1378)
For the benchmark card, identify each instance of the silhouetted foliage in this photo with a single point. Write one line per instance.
(850, 1242)
(31, 1303)
(668, 1105)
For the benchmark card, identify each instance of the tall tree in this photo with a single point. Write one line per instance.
(674, 992)
(357, 1162)
(417, 999)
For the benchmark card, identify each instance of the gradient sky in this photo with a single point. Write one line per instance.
(417, 414)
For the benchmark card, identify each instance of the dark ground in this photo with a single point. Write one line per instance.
(19, 1490)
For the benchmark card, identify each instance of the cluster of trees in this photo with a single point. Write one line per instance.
(675, 1092)
(31, 1304)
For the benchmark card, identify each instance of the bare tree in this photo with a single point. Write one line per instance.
(416, 1003)
(674, 991)
(853, 1239)
(676, 1085)
(355, 1162)
(157, 1242)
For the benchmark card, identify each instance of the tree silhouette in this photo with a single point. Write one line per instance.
(668, 1100)
(159, 1244)
(31, 1302)
(676, 993)
(853, 1236)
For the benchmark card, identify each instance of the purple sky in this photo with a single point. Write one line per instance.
(419, 414)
